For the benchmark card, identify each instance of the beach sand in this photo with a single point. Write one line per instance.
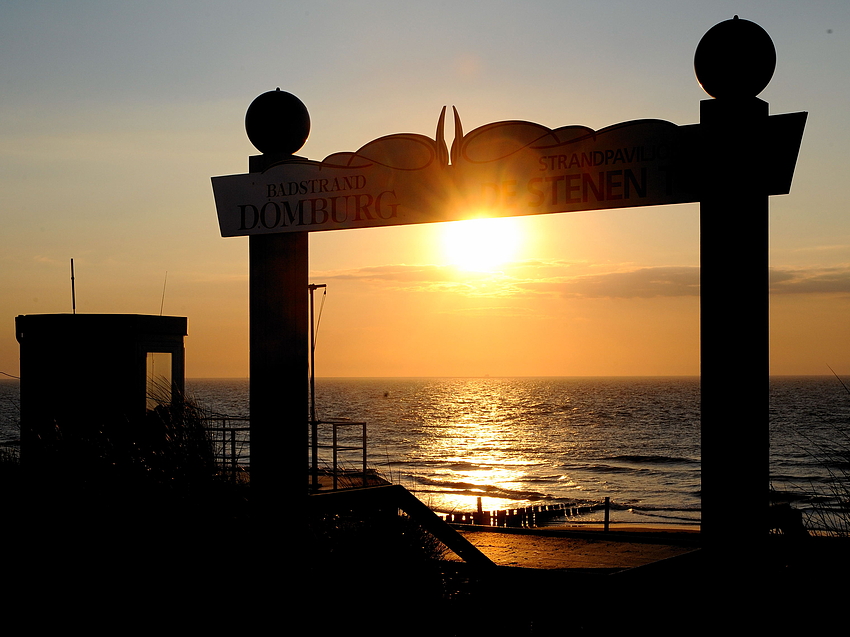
(627, 547)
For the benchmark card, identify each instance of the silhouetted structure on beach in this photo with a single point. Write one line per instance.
(81, 371)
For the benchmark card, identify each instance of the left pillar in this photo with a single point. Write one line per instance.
(278, 124)
(278, 366)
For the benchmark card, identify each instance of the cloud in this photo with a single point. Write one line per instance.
(832, 280)
(574, 280)
(640, 283)
(670, 281)
(40, 258)
(492, 310)
(431, 278)
(535, 278)
(397, 273)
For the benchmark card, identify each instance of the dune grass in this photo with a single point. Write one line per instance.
(829, 507)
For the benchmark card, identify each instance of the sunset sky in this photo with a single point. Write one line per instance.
(114, 116)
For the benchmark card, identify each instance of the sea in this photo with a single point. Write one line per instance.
(520, 442)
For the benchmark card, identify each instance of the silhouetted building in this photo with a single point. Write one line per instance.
(81, 373)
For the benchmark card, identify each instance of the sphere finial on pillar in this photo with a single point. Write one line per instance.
(277, 122)
(735, 58)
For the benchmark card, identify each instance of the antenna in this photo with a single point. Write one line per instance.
(314, 429)
(162, 302)
(73, 290)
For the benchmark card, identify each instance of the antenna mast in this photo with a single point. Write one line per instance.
(314, 429)
(73, 290)
(162, 302)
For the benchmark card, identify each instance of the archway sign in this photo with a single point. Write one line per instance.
(730, 162)
(501, 169)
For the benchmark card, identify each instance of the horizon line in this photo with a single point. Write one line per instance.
(527, 376)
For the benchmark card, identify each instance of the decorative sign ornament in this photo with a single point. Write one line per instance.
(508, 168)
(735, 59)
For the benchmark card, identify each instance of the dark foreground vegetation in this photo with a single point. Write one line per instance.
(107, 518)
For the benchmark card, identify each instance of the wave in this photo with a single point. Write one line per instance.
(656, 516)
(489, 490)
(653, 459)
(609, 469)
(642, 508)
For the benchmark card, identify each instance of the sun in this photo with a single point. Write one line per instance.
(483, 244)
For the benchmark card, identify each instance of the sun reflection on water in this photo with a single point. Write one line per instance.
(482, 457)
(516, 442)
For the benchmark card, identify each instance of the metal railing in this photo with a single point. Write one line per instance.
(231, 443)
(336, 449)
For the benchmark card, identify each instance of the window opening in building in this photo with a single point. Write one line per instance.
(158, 379)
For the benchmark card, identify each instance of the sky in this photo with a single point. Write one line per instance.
(114, 117)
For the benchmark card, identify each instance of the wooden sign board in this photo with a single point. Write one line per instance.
(393, 180)
(502, 169)
(520, 168)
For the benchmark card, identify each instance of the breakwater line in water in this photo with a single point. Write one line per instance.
(523, 517)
